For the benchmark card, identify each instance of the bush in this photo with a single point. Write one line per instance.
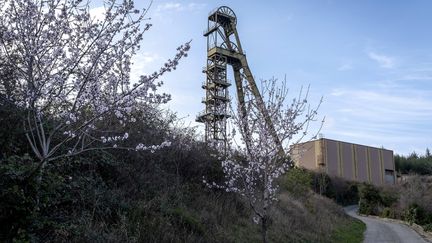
(411, 214)
(342, 191)
(388, 213)
(417, 214)
(408, 201)
(17, 197)
(370, 199)
(428, 227)
(388, 197)
(297, 181)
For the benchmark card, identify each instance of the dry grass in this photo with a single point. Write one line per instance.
(416, 189)
(310, 219)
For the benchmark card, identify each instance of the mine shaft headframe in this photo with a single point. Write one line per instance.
(222, 24)
(225, 17)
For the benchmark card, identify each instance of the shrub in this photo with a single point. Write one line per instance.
(388, 197)
(411, 214)
(342, 191)
(17, 197)
(370, 199)
(388, 213)
(297, 181)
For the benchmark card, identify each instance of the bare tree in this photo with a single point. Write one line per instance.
(252, 171)
(72, 73)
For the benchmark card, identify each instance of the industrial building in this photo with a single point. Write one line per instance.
(346, 160)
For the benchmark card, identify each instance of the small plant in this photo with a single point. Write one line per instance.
(411, 214)
(388, 213)
(428, 227)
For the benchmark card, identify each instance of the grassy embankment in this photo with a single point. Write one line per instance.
(129, 196)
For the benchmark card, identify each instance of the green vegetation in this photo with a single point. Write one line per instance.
(129, 196)
(414, 163)
(408, 201)
(351, 232)
(341, 191)
(374, 202)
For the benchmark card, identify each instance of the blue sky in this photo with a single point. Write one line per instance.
(370, 60)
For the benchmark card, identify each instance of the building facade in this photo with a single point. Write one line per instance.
(347, 160)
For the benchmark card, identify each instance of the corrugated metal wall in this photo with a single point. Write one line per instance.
(351, 161)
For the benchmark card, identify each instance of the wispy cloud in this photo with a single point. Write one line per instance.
(177, 6)
(381, 116)
(170, 6)
(383, 60)
(144, 63)
(345, 66)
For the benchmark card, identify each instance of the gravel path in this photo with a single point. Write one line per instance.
(379, 231)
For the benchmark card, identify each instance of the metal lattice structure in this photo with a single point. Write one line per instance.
(223, 49)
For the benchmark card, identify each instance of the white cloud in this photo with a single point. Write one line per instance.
(170, 7)
(337, 92)
(144, 63)
(345, 66)
(407, 102)
(383, 61)
(390, 116)
(196, 6)
(176, 6)
(416, 77)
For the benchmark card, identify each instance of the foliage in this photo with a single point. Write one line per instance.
(13, 139)
(342, 191)
(409, 200)
(388, 212)
(297, 181)
(16, 202)
(376, 201)
(414, 163)
(125, 196)
(428, 227)
(370, 199)
(417, 214)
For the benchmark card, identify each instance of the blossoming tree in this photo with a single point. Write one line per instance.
(71, 73)
(254, 164)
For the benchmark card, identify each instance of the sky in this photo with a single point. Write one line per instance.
(371, 61)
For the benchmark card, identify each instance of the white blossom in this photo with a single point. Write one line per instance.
(75, 70)
(253, 165)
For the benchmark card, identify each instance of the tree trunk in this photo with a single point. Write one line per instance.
(264, 229)
(39, 173)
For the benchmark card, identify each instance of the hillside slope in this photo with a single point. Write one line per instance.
(129, 196)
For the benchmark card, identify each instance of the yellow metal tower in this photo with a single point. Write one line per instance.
(223, 49)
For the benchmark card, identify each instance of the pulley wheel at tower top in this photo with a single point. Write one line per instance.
(225, 12)
(228, 11)
(231, 47)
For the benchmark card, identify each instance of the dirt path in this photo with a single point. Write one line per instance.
(378, 231)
